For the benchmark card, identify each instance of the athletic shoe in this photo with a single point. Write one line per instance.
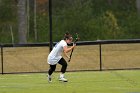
(49, 79)
(63, 79)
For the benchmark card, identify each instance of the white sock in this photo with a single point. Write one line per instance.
(49, 76)
(61, 75)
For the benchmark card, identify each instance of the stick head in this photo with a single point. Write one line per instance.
(77, 38)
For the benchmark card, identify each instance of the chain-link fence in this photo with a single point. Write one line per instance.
(121, 56)
(87, 56)
(31, 59)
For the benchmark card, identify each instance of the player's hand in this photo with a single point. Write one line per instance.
(68, 57)
(69, 60)
(74, 44)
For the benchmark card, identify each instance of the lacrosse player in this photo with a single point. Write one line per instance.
(55, 57)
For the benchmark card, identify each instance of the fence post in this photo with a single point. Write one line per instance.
(2, 59)
(100, 50)
(50, 25)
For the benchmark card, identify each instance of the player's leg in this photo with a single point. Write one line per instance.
(51, 70)
(63, 69)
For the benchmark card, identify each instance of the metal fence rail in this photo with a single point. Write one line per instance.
(101, 55)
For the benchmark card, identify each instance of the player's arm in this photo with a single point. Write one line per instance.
(66, 49)
(66, 55)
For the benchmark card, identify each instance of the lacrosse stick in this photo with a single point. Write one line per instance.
(77, 38)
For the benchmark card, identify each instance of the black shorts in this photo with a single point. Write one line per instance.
(61, 62)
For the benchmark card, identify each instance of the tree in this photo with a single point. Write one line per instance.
(22, 28)
(31, 19)
(110, 2)
(7, 20)
(138, 5)
(110, 25)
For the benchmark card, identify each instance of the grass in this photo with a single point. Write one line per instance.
(126, 81)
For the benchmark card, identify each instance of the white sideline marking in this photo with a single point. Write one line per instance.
(23, 75)
(2, 78)
(3, 86)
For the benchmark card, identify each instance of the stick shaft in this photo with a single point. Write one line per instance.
(71, 55)
(72, 50)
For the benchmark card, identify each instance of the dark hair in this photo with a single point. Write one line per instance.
(67, 36)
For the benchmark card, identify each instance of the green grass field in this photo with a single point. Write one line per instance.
(35, 60)
(126, 81)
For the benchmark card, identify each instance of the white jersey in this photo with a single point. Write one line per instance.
(56, 53)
